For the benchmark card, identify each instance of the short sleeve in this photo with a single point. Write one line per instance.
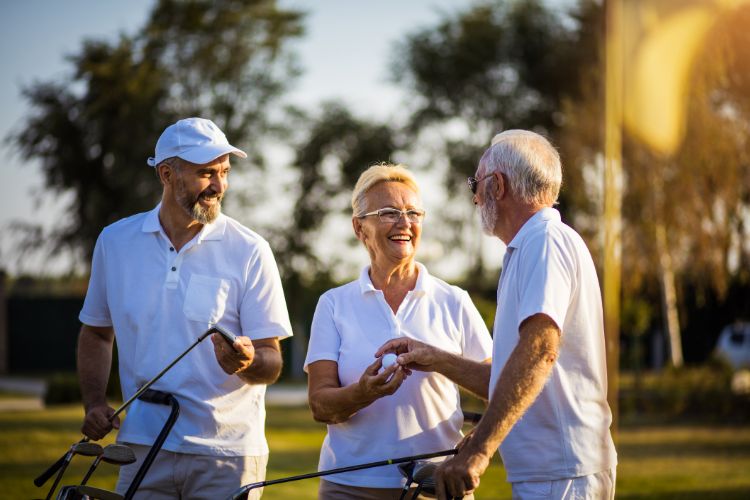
(325, 340)
(263, 312)
(545, 281)
(476, 340)
(95, 310)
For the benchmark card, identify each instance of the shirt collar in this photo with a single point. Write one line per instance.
(422, 286)
(209, 232)
(544, 215)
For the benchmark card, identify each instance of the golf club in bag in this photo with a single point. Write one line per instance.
(65, 459)
(116, 454)
(421, 473)
(86, 492)
(411, 466)
(242, 493)
(83, 449)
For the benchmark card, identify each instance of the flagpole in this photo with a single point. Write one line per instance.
(612, 212)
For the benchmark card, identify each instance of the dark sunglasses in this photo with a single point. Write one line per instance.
(474, 182)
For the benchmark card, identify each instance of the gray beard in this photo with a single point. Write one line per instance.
(488, 216)
(205, 215)
(194, 209)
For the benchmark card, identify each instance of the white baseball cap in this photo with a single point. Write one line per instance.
(196, 140)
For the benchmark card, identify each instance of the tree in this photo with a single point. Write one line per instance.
(332, 150)
(495, 65)
(685, 216)
(521, 65)
(335, 149)
(92, 132)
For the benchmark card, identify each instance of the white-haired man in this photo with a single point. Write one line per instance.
(159, 279)
(547, 409)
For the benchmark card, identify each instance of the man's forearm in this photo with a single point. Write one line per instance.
(265, 368)
(94, 355)
(473, 376)
(520, 382)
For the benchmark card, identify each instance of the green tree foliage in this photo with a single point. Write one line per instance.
(685, 217)
(334, 150)
(92, 132)
(490, 67)
(494, 66)
(500, 65)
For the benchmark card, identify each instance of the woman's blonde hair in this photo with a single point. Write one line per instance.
(381, 172)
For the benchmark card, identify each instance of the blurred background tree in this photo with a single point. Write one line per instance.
(494, 66)
(92, 132)
(685, 237)
(487, 67)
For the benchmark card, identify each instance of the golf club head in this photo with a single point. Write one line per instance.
(98, 493)
(69, 493)
(61, 462)
(228, 336)
(118, 454)
(84, 448)
(424, 475)
(87, 449)
(407, 470)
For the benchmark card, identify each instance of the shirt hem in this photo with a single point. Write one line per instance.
(266, 333)
(194, 449)
(519, 477)
(91, 321)
(324, 356)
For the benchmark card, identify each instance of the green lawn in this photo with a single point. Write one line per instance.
(656, 461)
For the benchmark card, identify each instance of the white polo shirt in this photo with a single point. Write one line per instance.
(159, 301)
(565, 433)
(424, 415)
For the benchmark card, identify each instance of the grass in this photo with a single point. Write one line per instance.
(664, 461)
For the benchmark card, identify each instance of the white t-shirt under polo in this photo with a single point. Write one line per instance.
(565, 433)
(424, 415)
(160, 301)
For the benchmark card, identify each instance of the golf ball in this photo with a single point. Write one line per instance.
(388, 360)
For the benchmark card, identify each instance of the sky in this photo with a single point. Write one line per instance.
(37, 35)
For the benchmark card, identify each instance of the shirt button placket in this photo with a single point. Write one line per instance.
(173, 277)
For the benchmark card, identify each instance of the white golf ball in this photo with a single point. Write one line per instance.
(388, 360)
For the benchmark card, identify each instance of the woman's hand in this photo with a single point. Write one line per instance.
(374, 385)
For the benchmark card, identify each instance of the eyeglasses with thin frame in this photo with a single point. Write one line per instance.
(474, 182)
(391, 215)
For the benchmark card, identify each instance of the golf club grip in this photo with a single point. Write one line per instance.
(157, 397)
(228, 336)
(44, 476)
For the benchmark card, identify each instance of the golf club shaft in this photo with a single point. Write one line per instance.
(44, 476)
(151, 382)
(91, 470)
(64, 465)
(243, 491)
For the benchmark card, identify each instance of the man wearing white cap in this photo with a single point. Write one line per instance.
(158, 281)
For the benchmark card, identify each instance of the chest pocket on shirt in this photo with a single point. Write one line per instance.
(205, 299)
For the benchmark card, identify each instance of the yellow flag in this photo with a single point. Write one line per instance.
(661, 40)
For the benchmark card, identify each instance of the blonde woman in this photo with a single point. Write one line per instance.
(374, 413)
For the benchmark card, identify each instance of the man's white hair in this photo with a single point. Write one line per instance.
(530, 162)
